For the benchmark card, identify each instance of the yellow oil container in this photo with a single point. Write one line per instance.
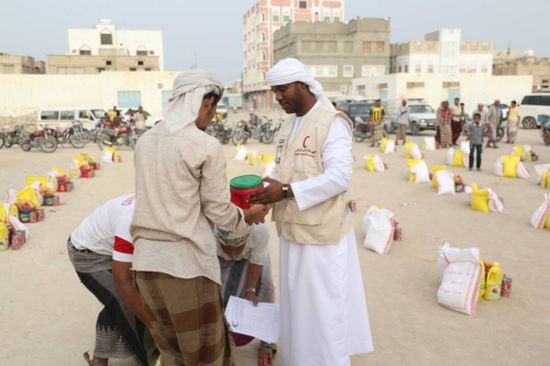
(4, 237)
(493, 284)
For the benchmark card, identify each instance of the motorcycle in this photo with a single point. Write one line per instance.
(220, 130)
(261, 131)
(545, 130)
(30, 137)
(270, 131)
(9, 138)
(108, 136)
(362, 130)
(73, 135)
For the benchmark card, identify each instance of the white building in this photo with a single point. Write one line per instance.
(443, 52)
(435, 88)
(125, 42)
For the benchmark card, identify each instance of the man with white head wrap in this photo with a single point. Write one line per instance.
(324, 318)
(181, 192)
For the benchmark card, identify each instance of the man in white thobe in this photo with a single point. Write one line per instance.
(324, 317)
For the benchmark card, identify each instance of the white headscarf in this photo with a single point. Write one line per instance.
(232, 238)
(187, 95)
(290, 70)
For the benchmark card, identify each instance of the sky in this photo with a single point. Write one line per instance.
(212, 29)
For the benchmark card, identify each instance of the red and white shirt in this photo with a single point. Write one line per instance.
(107, 230)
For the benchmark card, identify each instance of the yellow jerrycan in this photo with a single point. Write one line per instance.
(493, 284)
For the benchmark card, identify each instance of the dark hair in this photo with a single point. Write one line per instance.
(212, 95)
(378, 100)
(514, 102)
(477, 115)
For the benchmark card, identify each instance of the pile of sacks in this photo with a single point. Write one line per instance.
(466, 280)
(541, 217)
(13, 234)
(445, 181)
(110, 155)
(511, 167)
(380, 229)
(525, 153)
(373, 163)
(84, 166)
(485, 200)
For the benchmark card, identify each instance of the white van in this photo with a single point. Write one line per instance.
(64, 116)
(531, 107)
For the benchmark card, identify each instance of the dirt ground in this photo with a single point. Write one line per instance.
(47, 317)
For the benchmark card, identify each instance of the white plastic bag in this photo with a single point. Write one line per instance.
(499, 167)
(495, 203)
(107, 157)
(415, 152)
(540, 169)
(429, 143)
(540, 216)
(421, 172)
(445, 182)
(462, 274)
(389, 147)
(241, 153)
(465, 146)
(522, 172)
(379, 229)
(379, 164)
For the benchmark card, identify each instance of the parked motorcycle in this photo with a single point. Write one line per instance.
(362, 130)
(30, 137)
(220, 130)
(108, 136)
(8, 138)
(261, 131)
(73, 135)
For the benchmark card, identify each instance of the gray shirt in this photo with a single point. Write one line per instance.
(476, 134)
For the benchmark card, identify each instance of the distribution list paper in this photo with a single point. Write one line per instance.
(260, 321)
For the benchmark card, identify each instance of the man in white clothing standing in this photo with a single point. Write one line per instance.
(324, 317)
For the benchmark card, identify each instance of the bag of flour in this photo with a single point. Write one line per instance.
(462, 275)
(445, 182)
(541, 217)
(379, 229)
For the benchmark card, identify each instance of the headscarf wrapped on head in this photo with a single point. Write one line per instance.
(187, 95)
(291, 70)
(232, 238)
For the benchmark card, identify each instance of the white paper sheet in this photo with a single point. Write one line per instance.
(262, 321)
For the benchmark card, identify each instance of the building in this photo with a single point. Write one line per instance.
(336, 53)
(443, 52)
(105, 48)
(511, 63)
(12, 64)
(24, 94)
(434, 88)
(259, 23)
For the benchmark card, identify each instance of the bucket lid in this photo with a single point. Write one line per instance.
(246, 182)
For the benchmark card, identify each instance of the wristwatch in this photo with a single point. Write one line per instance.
(285, 191)
(250, 289)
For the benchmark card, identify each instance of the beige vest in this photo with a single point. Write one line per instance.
(299, 158)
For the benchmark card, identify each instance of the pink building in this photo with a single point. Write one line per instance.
(259, 23)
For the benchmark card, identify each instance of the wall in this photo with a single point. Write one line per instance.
(21, 94)
(473, 88)
(86, 64)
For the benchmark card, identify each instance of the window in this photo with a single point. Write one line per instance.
(263, 17)
(399, 68)
(85, 52)
(326, 19)
(128, 98)
(66, 115)
(380, 47)
(100, 69)
(108, 62)
(62, 70)
(276, 17)
(325, 71)
(8, 69)
(430, 69)
(451, 84)
(418, 68)
(147, 69)
(77, 70)
(49, 115)
(484, 69)
(414, 85)
(133, 69)
(141, 52)
(367, 47)
(336, 19)
(286, 18)
(406, 70)
(85, 115)
(106, 39)
(472, 69)
(373, 70)
(348, 71)
(263, 36)
(151, 52)
(140, 63)
(303, 4)
(536, 100)
(545, 81)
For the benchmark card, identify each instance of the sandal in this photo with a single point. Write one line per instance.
(266, 353)
(96, 361)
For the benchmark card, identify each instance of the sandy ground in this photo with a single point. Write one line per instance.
(47, 317)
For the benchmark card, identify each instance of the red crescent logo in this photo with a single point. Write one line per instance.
(304, 144)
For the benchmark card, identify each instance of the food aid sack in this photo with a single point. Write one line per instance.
(378, 229)
(522, 172)
(269, 169)
(465, 146)
(462, 275)
(429, 144)
(457, 158)
(480, 199)
(418, 171)
(387, 146)
(413, 151)
(373, 163)
(524, 152)
(495, 203)
(434, 170)
(445, 182)
(540, 171)
(510, 167)
(541, 217)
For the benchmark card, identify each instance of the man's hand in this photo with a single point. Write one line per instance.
(273, 193)
(251, 296)
(255, 214)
